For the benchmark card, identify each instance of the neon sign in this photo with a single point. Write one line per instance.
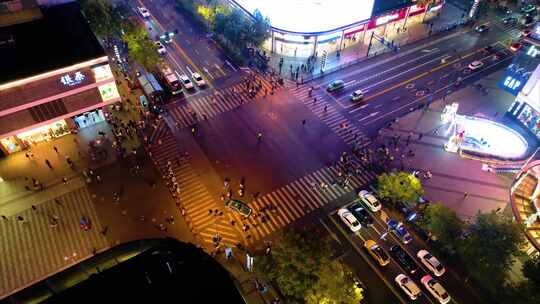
(532, 51)
(72, 80)
(511, 82)
(386, 19)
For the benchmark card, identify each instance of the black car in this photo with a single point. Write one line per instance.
(361, 214)
(482, 28)
(403, 259)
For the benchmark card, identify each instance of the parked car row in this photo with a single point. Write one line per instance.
(356, 215)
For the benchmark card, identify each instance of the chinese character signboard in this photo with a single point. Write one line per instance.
(72, 79)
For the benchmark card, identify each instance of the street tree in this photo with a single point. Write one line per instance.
(336, 285)
(300, 266)
(531, 270)
(104, 18)
(295, 262)
(259, 29)
(443, 224)
(399, 187)
(141, 48)
(489, 250)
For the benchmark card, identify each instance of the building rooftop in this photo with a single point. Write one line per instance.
(60, 39)
(309, 16)
(144, 271)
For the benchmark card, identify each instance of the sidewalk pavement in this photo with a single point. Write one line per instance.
(356, 53)
(454, 176)
(246, 279)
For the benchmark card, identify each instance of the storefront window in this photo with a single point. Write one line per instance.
(43, 133)
(531, 119)
(89, 118)
(10, 144)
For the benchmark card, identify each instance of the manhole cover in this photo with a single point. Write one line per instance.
(456, 65)
(409, 85)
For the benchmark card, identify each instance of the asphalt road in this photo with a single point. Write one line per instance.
(398, 85)
(379, 233)
(190, 50)
(393, 87)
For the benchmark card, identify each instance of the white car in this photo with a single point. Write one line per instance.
(161, 48)
(349, 219)
(436, 289)
(143, 11)
(408, 286)
(186, 82)
(199, 81)
(357, 95)
(431, 262)
(475, 65)
(370, 200)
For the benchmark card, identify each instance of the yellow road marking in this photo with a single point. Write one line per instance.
(420, 76)
(180, 50)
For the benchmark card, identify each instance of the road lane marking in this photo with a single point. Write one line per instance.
(219, 69)
(382, 72)
(178, 48)
(420, 75)
(369, 261)
(368, 116)
(208, 73)
(435, 92)
(230, 64)
(405, 53)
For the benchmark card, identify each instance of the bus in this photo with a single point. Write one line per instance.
(151, 88)
(170, 79)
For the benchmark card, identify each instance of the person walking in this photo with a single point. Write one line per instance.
(55, 149)
(303, 122)
(48, 163)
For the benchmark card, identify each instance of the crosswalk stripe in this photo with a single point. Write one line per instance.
(288, 208)
(279, 210)
(318, 201)
(300, 191)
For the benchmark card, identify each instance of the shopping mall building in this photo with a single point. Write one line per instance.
(55, 76)
(302, 28)
(522, 79)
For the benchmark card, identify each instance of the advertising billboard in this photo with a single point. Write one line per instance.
(535, 32)
(310, 16)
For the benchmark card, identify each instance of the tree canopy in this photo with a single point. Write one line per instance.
(399, 186)
(141, 48)
(301, 267)
(104, 18)
(490, 248)
(531, 270)
(444, 224)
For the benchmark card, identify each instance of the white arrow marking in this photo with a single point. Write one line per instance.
(369, 116)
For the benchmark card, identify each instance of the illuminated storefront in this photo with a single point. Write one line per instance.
(302, 28)
(64, 86)
(94, 86)
(526, 107)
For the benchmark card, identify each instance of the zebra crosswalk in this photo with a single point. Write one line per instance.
(512, 30)
(226, 99)
(290, 202)
(193, 194)
(327, 113)
(37, 248)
